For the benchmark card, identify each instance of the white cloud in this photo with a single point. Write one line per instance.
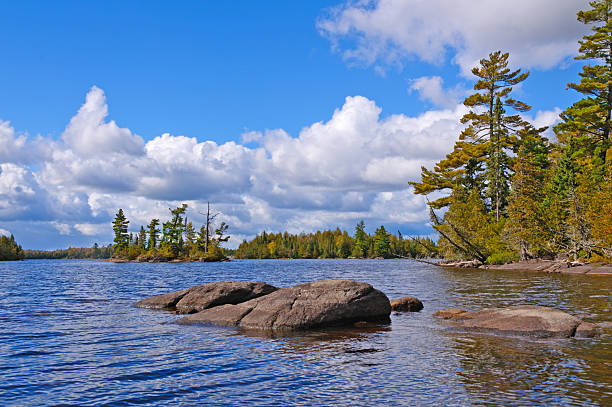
(89, 135)
(93, 229)
(62, 228)
(430, 89)
(355, 165)
(538, 34)
(12, 145)
(4, 232)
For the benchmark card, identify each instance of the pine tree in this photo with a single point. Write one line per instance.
(142, 237)
(489, 136)
(589, 119)
(361, 240)
(528, 220)
(382, 242)
(120, 228)
(153, 233)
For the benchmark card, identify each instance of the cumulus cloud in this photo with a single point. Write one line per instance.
(538, 34)
(92, 229)
(4, 232)
(353, 166)
(431, 90)
(89, 135)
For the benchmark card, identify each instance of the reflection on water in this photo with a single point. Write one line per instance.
(70, 335)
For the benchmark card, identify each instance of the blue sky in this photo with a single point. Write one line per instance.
(279, 72)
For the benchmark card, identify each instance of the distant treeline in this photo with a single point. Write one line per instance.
(331, 244)
(95, 252)
(9, 249)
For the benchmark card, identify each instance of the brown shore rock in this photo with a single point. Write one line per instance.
(205, 296)
(306, 306)
(524, 320)
(407, 304)
(449, 313)
(555, 266)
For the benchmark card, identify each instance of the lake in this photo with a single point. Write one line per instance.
(70, 335)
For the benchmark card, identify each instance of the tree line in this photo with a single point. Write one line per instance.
(177, 238)
(95, 252)
(506, 191)
(9, 249)
(331, 244)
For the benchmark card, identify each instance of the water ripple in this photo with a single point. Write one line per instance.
(69, 335)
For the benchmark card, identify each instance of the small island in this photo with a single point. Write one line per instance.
(178, 242)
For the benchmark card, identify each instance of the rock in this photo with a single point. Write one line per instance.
(526, 320)
(461, 264)
(586, 330)
(411, 304)
(605, 325)
(449, 313)
(204, 296)
(305, 306)
(163, 301)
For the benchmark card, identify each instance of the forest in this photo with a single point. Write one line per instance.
(506, 191)
(95, 252)
(176, 240)
(9, 249)
(335, 244)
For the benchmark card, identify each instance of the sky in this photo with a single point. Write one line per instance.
(286, 116)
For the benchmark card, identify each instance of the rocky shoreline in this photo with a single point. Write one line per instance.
(544, 266)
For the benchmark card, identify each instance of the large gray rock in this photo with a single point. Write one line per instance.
(527, 320)
(305, 306)
(205, 296)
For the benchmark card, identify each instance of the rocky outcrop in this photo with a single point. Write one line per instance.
(305, 306)
(555, 266)
(525, 320)
(472, 264)
(407, 304)
(206, 296)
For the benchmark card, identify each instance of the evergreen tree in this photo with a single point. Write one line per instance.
(589, 119)
(120, 228)
(153, 233)
(489, 136)
(528, 212)
(142, 237)
(361, 240)
(382, 242)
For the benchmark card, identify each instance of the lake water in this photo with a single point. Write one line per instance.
(69, 335)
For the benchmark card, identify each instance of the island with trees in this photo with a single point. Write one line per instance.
(506, 191)
(177, 240)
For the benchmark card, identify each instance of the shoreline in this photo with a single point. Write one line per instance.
(540, 266)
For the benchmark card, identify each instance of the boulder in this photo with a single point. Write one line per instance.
(526, 320)
(410, 304)
(586, 330)
(205, 296)
(305, 306)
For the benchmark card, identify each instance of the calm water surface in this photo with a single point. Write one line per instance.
(69, 335)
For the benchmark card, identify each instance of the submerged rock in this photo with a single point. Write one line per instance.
(205, 296)
(586, 330)
(305, 306)
(526, 320)
(449, 313)
(410, 304)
